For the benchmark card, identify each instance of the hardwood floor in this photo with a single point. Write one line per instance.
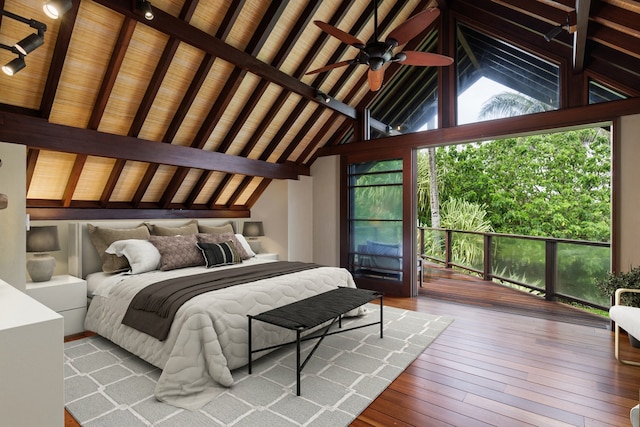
(508, 359)
(493, 367)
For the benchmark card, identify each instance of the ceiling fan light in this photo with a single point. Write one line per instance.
(399, 57)
(14, 66)
(29, 43)
(56, 8)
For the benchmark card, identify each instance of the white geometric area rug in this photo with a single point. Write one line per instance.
(108, 386)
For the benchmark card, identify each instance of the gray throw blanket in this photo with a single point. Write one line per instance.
(153, 308)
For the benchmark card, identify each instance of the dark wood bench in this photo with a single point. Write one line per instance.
(311, 312)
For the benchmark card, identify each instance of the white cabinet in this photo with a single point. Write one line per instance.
(66, 295)
(31, 362)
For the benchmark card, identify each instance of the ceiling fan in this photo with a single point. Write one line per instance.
(376, 53)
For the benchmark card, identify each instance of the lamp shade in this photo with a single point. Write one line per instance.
(43, 239)
(253, 229)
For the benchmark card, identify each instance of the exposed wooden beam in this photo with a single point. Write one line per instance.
(38, 133)
(174, 27)
(542, 11)
(54, 213)
(501, 128)
(616, 18)
(57, 61)
(615, 40)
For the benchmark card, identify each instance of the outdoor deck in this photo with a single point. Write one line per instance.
(508, 359)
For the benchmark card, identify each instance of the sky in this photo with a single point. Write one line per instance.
(471, 100)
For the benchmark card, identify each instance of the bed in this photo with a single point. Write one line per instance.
(208, 337)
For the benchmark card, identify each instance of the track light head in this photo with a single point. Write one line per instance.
(144, 6)
(14, 66)
(56, 8)
(29, 43)
(552, 34)
(323, 96)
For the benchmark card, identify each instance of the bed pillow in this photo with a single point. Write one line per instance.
(245, 245)
(141, 254)
(102, 237)
(190, 227)
(219, 238)
(216, 254)
(177, 251)
(227, 228)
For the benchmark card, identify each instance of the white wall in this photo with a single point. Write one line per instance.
(326, 210)
(300, 224)
(627, 222)
(272, 209)
(13, 179)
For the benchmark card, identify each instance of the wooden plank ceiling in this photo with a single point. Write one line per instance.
(195, 112)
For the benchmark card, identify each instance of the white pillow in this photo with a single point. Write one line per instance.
(245, 245)
(141, 254)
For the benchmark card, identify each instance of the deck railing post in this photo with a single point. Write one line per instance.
(551, 269)
(421, 241)
(488, 258)
(447, 249)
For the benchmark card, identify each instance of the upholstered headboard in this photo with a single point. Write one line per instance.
(83, 257)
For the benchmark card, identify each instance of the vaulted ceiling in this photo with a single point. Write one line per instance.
(195, 112)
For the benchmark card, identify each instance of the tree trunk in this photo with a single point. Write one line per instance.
(433, 189)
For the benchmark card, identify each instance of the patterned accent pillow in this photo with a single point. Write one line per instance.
(103, 237)
(190, 227)
(177, 251)
(216, 254)
(224, 237)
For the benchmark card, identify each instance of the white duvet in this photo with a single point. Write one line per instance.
(208, 338)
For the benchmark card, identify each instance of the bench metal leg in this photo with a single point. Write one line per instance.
(298, 367)
(250, 352)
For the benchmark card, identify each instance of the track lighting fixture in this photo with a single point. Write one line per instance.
(16, 64)
(553, 33)
(24, 46)
(323, 96)
(56, 8)
(30, 43)
(144, 6)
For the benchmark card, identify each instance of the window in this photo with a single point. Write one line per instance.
(487, 67)
(601, 93)
(375, 219)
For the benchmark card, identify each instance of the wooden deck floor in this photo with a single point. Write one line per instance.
(508, 359)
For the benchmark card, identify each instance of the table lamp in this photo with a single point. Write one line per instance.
(252, 230)
(40, 241)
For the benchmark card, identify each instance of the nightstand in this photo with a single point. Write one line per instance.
(66, 295)
(267, 255)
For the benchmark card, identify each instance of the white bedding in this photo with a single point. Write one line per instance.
(208, 338)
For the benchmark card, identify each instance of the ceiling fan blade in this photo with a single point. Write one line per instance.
(426, 59)
(340, 35)
(375, 79)
(413, 26)
(329, 67)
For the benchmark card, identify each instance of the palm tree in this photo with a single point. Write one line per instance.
(510, 104)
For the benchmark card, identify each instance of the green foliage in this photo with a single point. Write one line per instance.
(462, 215)
(554, 185)
(629, 279)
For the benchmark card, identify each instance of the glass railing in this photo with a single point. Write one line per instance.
(555, 268)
